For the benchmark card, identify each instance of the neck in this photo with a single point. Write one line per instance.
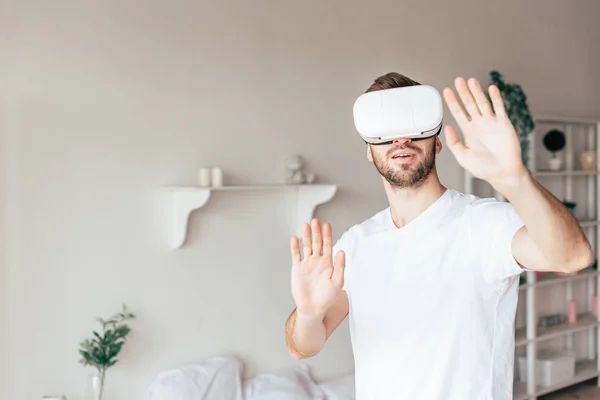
(407, 203)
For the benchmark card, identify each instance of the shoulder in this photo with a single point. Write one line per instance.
(377, 223)
(480, 206)
(494, 213)
(479, 214)
(469, 201)
(488, 217)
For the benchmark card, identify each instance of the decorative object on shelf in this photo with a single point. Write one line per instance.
(539, 275)
(515, 102)
(204, 177)
(587, 160)
(296, 173)
(572, 312)
(216, 177)
(101, 351)
(554, 141)
(551, 320)
(570, 206)
(553, 366)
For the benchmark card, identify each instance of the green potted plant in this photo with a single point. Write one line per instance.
(101, 350)
(517, 110)
(554, 141)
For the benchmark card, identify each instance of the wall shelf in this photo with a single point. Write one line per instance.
(183, 200)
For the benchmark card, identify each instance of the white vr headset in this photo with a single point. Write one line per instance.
(414, 112)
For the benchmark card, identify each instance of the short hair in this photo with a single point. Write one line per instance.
(391, 80)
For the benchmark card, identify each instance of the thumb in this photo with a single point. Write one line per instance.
(453, 142)
(339, 266)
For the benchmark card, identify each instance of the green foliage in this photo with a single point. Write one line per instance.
(515, 102)
(101, 350)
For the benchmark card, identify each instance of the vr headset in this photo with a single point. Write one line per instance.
(414, 112)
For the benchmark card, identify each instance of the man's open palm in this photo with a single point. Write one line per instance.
(316, 279)
(491, 150)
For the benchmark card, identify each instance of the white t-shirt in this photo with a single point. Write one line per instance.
(432, 304)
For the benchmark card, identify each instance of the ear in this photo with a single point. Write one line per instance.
(369, 153)
(438, 145)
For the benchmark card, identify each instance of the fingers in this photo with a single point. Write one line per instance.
(466, 97)
(313, 238)
(453, 142)
(455, 108)
(295, 250)
(327, 241)
(338, 268)
(482, 102)
(474, 99)
(497, 101)
(306, 241)
(317, 237)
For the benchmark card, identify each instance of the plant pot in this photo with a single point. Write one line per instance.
(93, 386)
(555, 163)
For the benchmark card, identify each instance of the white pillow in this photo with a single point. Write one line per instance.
(290, 383)
(219, 378)
(342, 388)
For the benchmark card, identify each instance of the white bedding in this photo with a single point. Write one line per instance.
(220, 378)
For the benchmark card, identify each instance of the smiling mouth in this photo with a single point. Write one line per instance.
(403, 156)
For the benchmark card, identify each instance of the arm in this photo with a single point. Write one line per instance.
(551, 239)
(305, 335)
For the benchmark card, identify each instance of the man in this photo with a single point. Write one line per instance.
(430, 284)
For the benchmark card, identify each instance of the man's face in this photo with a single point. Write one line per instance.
(405, 163)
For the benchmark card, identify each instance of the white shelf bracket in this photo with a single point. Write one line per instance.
(309, 197)
(180, 206)
(181, 201)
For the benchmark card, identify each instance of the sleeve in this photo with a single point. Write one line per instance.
(492, 226)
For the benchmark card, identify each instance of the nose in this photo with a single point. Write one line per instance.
(402, 141)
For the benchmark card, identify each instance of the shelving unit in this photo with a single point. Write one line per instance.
(539, 291)
(181, 201)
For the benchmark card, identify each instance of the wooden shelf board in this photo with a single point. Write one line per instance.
(555, 279)
(549, 172)
(558, 119)
(584, 321)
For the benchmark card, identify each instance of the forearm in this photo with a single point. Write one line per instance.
(305, 335)
(550, 225)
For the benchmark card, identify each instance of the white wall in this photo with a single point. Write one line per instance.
(4, 162)
(4, 339)
(103, 103)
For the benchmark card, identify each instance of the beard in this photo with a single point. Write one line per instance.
(407, 176)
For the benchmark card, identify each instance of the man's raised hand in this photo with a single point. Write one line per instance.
(316, 279)
(491, 150)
